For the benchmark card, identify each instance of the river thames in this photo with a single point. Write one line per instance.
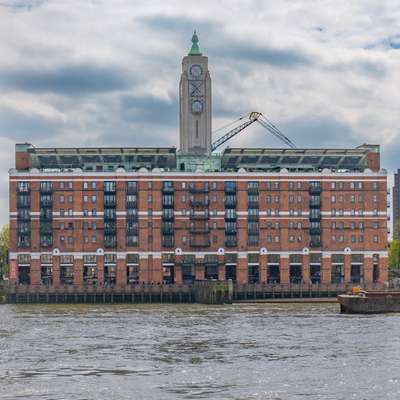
(244, 351)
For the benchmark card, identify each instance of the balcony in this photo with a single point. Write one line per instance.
(199, 215)
(111, 230)
(23, 201)
(253, 217)
(230, 190)
(46, 217)
(167, 230)
(198, 190)
(46, 241)
(23, 216)
(110, 241)
(200, 244)
(131, 190)
(315, 190)
(110, 189)
(315, 203)
(252, 190)
(253, 204)
(46, 229)
(46, 189)
(198, 202)
(168, 190)
(168, 241)
(230, 241)
(110, 202)
(168, 216)
(110, 216)
(230, 216)
(315, 217)
(131, 204)
(199, 229)
(131, 217)
(315, 231)
(230, 203)
(168, 204)
(315, 243)
(46, 203)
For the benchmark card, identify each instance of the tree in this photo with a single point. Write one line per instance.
(394, 253)
(4, 245)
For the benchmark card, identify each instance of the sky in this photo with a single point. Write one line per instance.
(100, 72)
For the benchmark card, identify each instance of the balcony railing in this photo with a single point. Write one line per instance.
(131, 204)
(198, 244)
(46, 203)
(199, 190)
(315, 217)
(168, 190)
(253, 190)
(199, 229)
(253, 204)
(315, 243)
(230, 190)
(46, 189)
(230, 203)
(131, 190)
(199, 216)
(168, 216)
(315, 231)
(315, 190)
(199, 202)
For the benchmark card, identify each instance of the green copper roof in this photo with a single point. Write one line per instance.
(195, 50)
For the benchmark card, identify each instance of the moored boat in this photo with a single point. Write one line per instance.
(370, 302)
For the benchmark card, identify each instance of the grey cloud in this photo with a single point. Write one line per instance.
(22, 5)
(149, 109)
(70, 80)
(284, 58)
(318, 131)
(181, 25)
(223, 46)
(21, 126)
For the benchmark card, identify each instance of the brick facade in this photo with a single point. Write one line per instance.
(282, 228)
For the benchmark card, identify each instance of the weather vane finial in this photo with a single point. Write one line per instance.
(195, 50)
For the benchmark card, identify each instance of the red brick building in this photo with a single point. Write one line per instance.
(121, 216)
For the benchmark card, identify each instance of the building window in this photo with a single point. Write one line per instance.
(183, 198)
(94, 239)
(70, 239)
(376, 239)
(70, 212)
(85, 199)
(94, 212)
(85, 212)
(86, 239)
(149, 185)
(70, 198)
(149, 198)
(333, 185)
(333, 199)
(62, 212)
(61, 198)
(94, 198)
(85, 185)
(62, 185)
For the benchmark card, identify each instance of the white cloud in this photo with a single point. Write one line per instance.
(67, 66)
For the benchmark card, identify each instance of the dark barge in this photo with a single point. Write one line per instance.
(370, 302)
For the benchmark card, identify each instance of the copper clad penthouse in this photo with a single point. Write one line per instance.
(118, 216)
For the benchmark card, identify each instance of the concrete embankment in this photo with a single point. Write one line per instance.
(205, 292)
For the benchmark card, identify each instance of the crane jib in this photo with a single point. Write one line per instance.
(253, 117)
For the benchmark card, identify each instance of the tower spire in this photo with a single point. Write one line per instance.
(195, 50)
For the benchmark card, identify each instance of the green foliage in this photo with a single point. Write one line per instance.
(394, 258)
(4, 245)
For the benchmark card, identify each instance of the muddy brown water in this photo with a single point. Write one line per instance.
(244, 351)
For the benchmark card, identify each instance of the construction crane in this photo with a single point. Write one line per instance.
(254, 116)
